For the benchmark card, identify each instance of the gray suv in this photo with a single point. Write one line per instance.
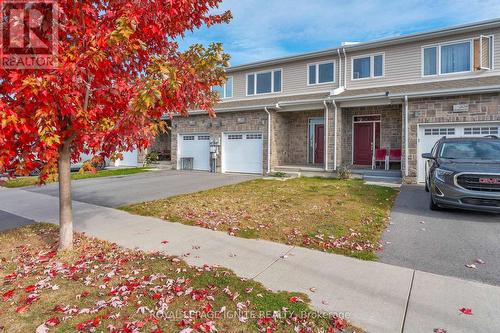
(464, 173)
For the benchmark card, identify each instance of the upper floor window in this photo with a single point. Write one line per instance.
(320, 73)
(264, 82)
(226, 90)
(457, 57)
(366, 67)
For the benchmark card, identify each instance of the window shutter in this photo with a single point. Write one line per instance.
(485, 52)
(482, 53)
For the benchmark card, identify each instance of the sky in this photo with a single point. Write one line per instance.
(267, 29)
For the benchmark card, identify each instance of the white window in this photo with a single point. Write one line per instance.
(254, 136)
(321, 73)
(439, 131)
(188, 137)
(235, 136)
(370, 66)
(481, 131)
(447, 58)
(264, 82)
(203, 137)
(226, 90)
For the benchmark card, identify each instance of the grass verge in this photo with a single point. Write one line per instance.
(341, 216)
(99, 286)
(30, 181)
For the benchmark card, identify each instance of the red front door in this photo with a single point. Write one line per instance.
(319, 144)
(363, 143)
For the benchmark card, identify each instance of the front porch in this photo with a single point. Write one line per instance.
(299, 140)
(368, 141)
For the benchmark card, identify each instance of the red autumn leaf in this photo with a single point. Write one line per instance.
(22, 309)
(30, 289)
(466, 311)
(339, 323)
(54, 321)
(295, 299)
(207, 308)
(156, 296)
(8, 294)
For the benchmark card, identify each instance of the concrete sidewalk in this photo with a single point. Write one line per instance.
(378, 297)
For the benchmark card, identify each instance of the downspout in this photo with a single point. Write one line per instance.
(269, 140)
(345, 72)
(335, 136)
(406, 136)
(326, 135)
(340, 67)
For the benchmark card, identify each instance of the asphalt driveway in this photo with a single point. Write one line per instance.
(441, 242)
(122, 190)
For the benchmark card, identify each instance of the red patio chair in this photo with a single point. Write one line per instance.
(380, 156)
(395, 156)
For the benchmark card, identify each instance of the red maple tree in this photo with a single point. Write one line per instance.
(119, 71)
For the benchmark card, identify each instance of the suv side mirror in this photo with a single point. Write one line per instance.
(428, 156)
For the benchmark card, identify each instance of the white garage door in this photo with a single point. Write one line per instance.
(196, 146)
(428, 135)
(242, 152)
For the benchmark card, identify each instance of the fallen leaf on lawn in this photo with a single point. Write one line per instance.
(466, 311)
(471, 266)
(8, 294)
(295, 299)
(22, 309)
(54, 321)
(30, 289)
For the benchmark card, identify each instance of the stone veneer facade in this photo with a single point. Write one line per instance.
(245, 121)
(289, 135)
(391, 128)
(435, 110)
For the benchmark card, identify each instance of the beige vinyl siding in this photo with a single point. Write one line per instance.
(403, 63)
(294, 79)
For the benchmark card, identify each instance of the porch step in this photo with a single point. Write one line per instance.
(297, 168)
(378, 173)
(164, 165)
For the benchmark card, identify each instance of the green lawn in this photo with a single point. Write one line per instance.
(100, 284)
(30, 181)
(341, 216)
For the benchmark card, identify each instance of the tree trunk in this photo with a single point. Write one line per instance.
(65, 203)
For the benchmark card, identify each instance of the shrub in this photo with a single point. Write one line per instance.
(344, 172)
(150, 158)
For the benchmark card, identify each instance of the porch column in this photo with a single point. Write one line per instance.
(335, 135)
(405, 133)
(327, 126)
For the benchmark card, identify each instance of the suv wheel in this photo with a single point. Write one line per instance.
(432, 204)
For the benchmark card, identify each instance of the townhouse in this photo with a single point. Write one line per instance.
(374, 105)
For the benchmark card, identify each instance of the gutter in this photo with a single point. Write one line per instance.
(447, 92)
(345, 72)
